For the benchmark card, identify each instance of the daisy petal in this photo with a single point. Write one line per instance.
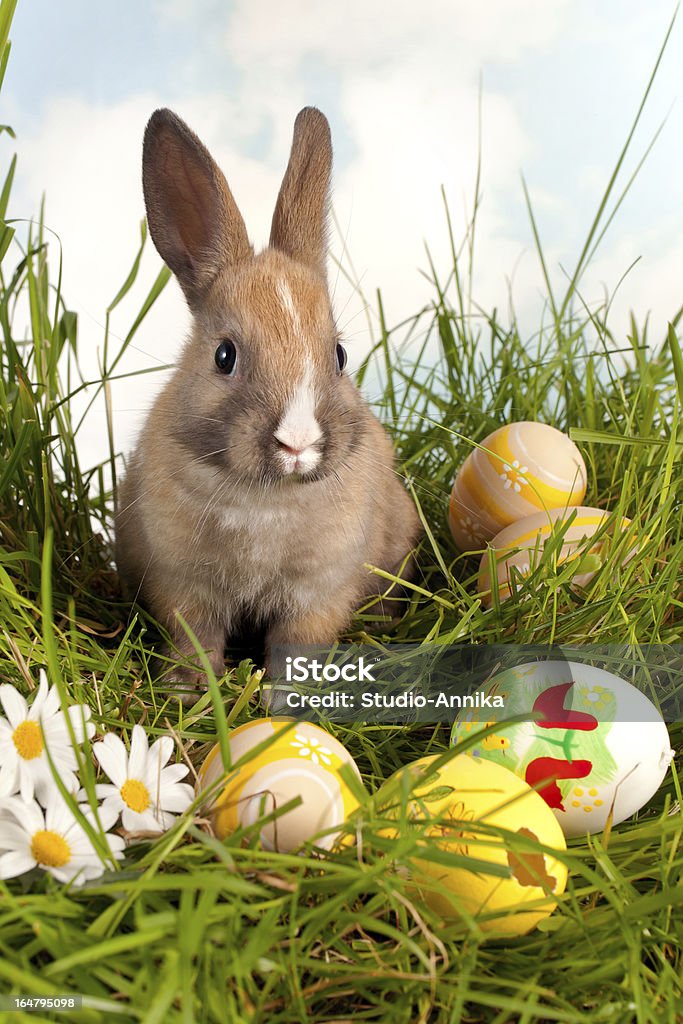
(138, 752)
(113, 758)
(12, 836)
(65, 762)
(67, 875)
(46, 788)
(26, 786)
(160, 752)
(167, 820)
(117, 845)
(115, 743)
(40, 698)
(134, 822)
(79, 715)
(9, 780)
(50, 705)
(113, 804)
(14, 704)
(15, 863)
(177, 799)
(104, 789)
(58, 815)
(108, 815)
(174, 773)
(29, 814)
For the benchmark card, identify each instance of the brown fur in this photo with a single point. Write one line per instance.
(207, 523)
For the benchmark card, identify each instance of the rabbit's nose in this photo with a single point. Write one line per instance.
(290, 449)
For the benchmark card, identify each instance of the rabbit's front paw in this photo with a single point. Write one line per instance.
(185, 676)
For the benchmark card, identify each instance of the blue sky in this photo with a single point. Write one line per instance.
(561, 80)
(106, 51)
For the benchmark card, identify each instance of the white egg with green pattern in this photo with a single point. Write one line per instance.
(599, 745)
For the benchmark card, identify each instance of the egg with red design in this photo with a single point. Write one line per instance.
(280, 762)
(598, 745)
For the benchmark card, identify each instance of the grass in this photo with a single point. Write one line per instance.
(192, 929)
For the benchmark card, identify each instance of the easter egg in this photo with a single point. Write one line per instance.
(301, 761)
(600, 744)
(466, 792)
(519, 469)
(520, 547)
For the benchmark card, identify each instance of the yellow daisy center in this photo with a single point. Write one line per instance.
(136, 795)
(27, 740)
(50, 849)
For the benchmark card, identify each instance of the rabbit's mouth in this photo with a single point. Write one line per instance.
(298, 460)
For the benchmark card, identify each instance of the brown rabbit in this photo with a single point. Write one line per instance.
(261, 484)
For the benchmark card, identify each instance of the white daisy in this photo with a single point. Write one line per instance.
(24, 767)
(144, 792)
(52, 839)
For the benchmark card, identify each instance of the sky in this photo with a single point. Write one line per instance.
(546, 89)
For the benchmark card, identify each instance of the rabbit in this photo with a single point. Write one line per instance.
(261, 486)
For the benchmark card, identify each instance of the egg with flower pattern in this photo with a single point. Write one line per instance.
(518, 550)
(279, 761)
(519, 469)
(593, 744)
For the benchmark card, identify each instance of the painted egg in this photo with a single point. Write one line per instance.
(467, 791)
(302, 761)
(600, 744)
(519, 469)
(520, 547)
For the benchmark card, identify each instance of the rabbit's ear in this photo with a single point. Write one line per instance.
(192, 216)
(300, 220)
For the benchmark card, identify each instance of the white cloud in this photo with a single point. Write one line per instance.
(405, 84)
(358, 34)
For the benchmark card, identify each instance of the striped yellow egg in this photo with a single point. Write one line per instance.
(457, 804)
(520, 546)
(300, 761)
(519, 469)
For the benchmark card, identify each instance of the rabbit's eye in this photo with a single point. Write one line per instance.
(340, 356)
(226, 356)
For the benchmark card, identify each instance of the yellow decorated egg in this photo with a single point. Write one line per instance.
(593, 744)
(518, 470)
(299, 761)
(520, 547)
(466, 792)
